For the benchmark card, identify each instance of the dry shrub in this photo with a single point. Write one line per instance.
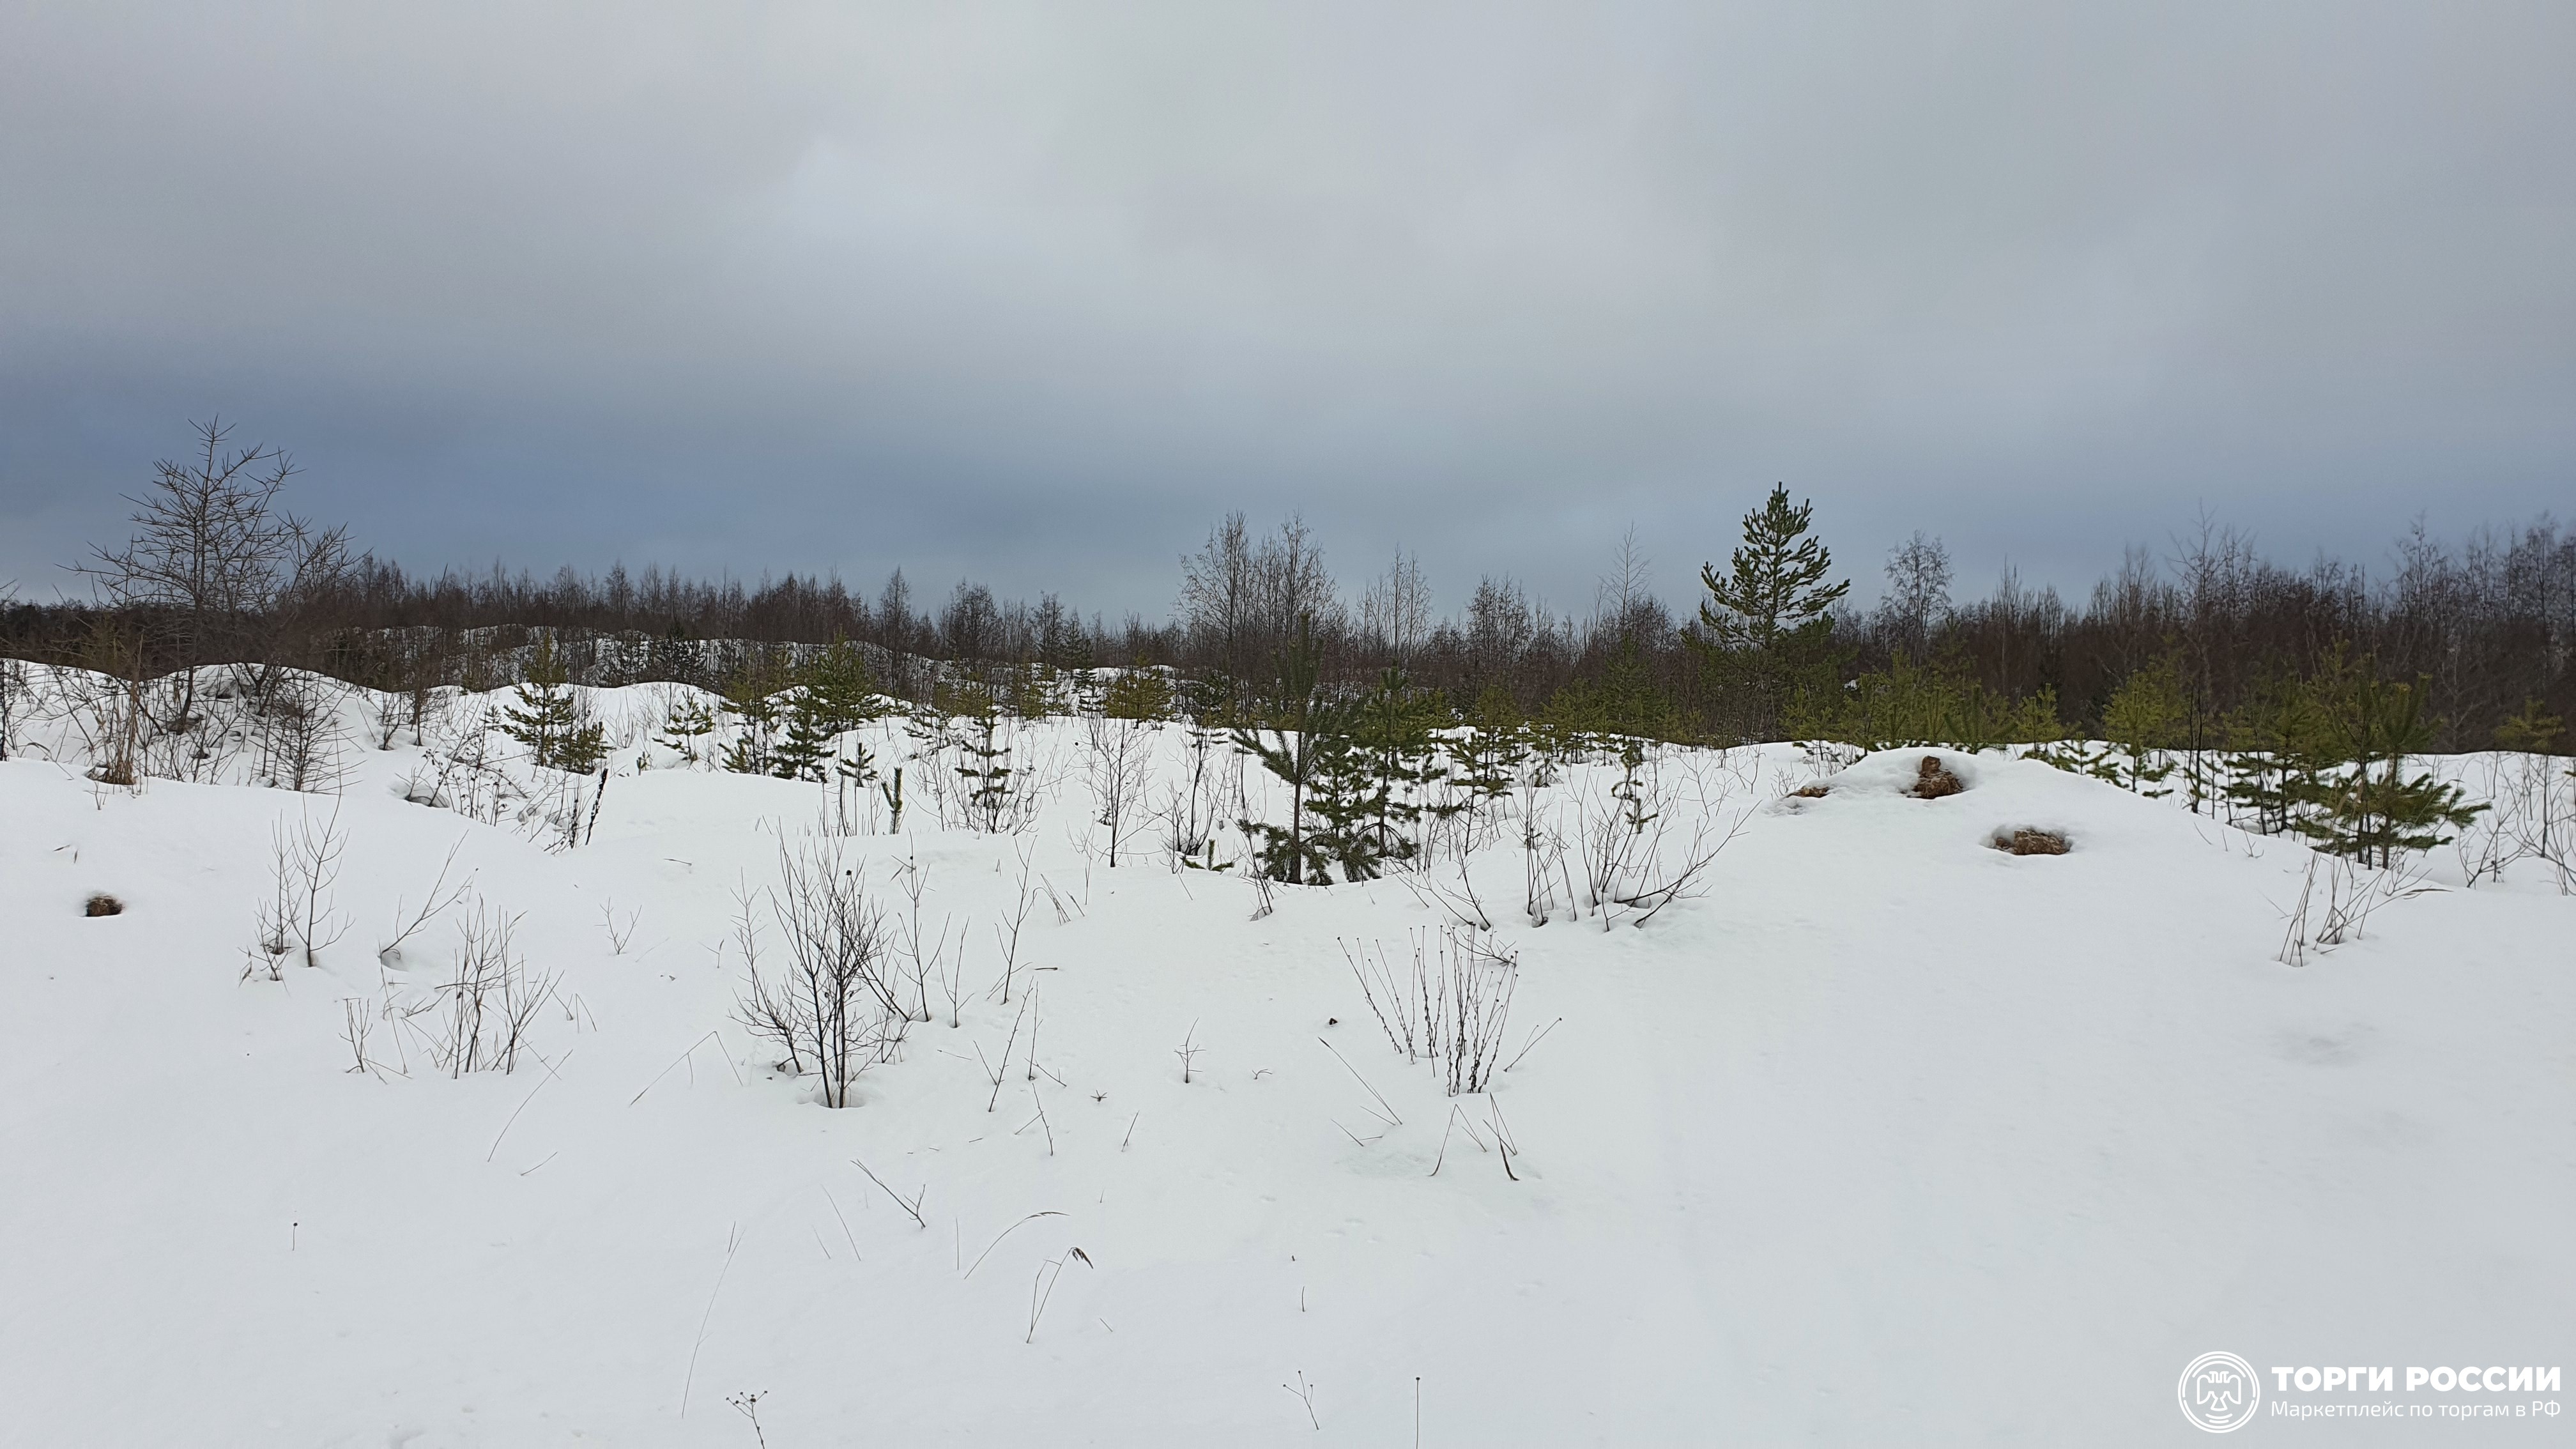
(2030, 840)
(1450, 1008)
(103, 904)
(492, 1001)
(1935, 780)
(834, 1010)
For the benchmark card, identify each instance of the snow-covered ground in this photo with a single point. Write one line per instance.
(1885, 1136)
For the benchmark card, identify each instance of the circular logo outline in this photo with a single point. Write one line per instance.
(2235, 1419)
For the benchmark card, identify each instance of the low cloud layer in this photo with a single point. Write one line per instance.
(1035, 292)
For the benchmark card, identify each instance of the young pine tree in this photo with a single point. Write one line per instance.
(1341, 805)
(1631, 792)
(2143, 721)
(1897, 707)
(1765, 626)
(984, 759)
(1029, 690)
(548, 720)
(1497, 745)
(2282, 756)
(1393, 756)
(1298, 735)
(751, 700)
(2530, 730)
(2380, 811)
(1570, 725)
(1633, 702)
(1138, 694)
(686, 729)
(834, 695)
(674, 656)
(1626, 700)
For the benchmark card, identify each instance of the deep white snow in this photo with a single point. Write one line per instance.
(1886, 1137)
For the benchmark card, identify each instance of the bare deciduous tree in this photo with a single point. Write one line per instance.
(835, 1010)
(1918, 591)
(1217, 595)
(1240, 602)
(1118, 769)
(1395, 614)
(214, 565)
(1628, 587)
(16, 695)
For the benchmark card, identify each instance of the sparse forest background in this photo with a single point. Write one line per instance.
(219, 572)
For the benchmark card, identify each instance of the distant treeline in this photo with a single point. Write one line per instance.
(2487, 626)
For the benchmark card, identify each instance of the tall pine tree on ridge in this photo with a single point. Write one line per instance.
(1766, 626)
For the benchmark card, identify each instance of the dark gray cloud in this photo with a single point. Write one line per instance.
(1035, 292)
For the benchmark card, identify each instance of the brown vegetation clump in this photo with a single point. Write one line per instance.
(1935, 780)
(2029, 840)
(1809, 792)
(103, 904)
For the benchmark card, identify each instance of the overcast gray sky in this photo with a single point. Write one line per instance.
(1035, 292)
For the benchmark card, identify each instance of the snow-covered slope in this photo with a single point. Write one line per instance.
(1887, 1137)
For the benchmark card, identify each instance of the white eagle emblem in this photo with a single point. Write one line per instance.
(2219, 1392)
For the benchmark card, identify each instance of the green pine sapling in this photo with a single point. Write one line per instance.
(549, 720)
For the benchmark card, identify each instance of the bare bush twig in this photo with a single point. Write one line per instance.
(911, 1209)
(997, 1073)
(436, 903)
(619, 935)
(1305, 1393)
